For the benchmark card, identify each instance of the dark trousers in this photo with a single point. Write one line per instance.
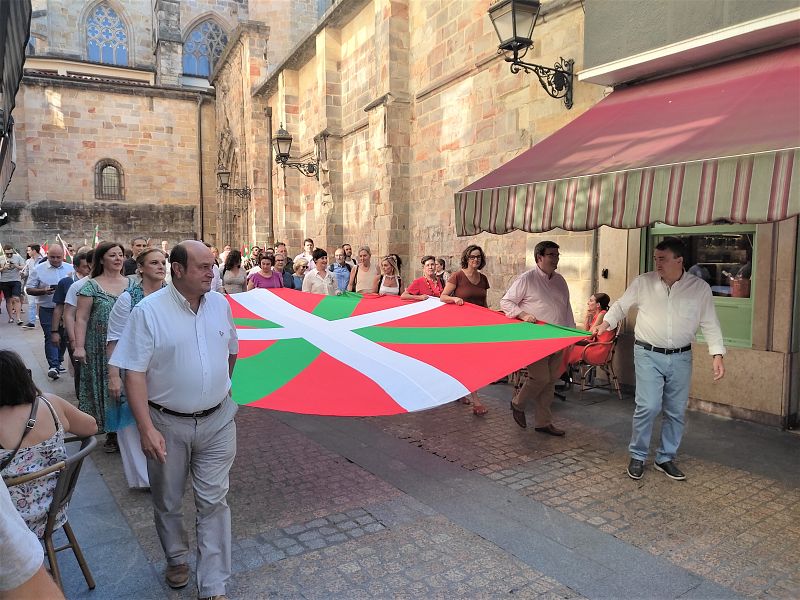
(54, 355)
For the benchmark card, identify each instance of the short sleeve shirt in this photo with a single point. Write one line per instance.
(184, 354)
(14, 273)
(425, 287)
(60, 295)
(468, 291)
(21, 554)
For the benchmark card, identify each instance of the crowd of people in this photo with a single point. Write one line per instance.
(130, 366)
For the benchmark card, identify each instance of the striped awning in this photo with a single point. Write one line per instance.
(717, 144)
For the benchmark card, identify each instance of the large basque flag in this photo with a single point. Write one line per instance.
(355, 355)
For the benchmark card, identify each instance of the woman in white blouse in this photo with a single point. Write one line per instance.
(151, 267)
(319, 280)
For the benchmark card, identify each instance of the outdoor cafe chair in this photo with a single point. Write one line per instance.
(68, 471)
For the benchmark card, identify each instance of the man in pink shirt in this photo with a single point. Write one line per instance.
(540, 294)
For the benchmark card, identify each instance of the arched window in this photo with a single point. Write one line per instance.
(106, 36)
(109, 183)
(202, 48)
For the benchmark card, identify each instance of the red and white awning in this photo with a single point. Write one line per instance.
(720, 143)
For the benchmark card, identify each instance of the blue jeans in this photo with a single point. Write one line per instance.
(662, 386)
(31, 309)
(54, 355)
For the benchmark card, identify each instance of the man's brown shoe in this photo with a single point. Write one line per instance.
(550, 430)
(177, 576)
(519, 416)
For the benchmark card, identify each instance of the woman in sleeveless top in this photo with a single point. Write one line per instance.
(95, 301)
(151, 267)
(469, 285)
(362, 278)
(234, 277)
(388, 283)
(42, 446)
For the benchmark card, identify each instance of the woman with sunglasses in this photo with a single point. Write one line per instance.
(388, 283)
(469, 285)
(300, 268)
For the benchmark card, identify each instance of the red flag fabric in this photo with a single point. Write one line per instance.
(354, 355)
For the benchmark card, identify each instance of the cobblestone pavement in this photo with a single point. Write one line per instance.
(441, 504)
(735, 527)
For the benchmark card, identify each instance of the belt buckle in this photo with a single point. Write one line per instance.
(199, 413)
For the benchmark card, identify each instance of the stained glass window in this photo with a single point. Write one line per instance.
(107, 37)
(202, 49)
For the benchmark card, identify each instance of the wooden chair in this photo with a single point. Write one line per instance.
(598, 356)
(68, 471)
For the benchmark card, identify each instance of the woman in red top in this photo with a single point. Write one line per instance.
(429, 285)
(596, 308)
(469, 285)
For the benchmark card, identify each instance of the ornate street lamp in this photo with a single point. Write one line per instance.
(224, 178)
(514, 21)
(282, 144)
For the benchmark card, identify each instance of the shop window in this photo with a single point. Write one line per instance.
(202, 49)
(722, 255)
(108, 181)
(106, 36)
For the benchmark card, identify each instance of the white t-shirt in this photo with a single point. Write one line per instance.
(185, 355)
(21, 554)
(72, 293)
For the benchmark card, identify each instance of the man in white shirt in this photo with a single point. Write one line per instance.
(42, 283)
(179, 348)
(672, 305)
(308, 246)
(348, 255)
(22, 571)
(30, 264)
(540, 294)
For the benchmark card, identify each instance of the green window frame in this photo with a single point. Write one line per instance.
(735, 311)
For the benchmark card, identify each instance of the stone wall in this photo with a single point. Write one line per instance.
(416, 105)
(65, 128)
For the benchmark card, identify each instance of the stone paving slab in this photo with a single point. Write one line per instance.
(733, 526)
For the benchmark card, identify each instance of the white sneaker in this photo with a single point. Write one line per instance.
(53, 373)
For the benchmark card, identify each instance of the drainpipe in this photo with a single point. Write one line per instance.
(270, 207)
(595, 259)
(200, 100)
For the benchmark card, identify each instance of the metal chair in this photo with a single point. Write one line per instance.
(598, 356)
(68, 470)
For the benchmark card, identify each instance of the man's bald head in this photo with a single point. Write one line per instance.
(55, 255)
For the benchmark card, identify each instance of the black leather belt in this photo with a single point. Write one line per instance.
(652, 348)
(194, 415)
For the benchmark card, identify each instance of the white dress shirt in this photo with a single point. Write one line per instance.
(317, 283)
(669, 317)
(545, 298)
(185, 355)
(45, 275)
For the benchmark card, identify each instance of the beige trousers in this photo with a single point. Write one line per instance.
(204, 448)
(540, 388)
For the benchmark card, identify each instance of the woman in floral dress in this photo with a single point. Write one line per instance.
(95, 301)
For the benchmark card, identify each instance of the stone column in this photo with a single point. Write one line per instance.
(169, 46)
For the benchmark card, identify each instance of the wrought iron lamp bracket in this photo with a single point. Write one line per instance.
(239, 192)
(307, 169)
(556, 81)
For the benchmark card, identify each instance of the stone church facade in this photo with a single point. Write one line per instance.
(116, 119)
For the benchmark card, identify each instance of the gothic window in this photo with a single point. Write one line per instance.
(106, 36)
(108, 180)
(202, 49)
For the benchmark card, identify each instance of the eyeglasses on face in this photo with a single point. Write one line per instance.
(474, 257)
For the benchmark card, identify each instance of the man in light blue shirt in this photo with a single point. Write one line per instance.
(42, 283)
(340, 269)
